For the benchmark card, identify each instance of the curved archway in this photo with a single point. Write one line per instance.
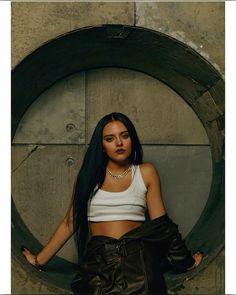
(155, 54)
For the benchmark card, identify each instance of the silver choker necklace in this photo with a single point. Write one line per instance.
(118, 176)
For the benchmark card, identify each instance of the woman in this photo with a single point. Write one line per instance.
(120, 252)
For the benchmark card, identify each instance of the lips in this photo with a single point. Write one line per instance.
(120, 151)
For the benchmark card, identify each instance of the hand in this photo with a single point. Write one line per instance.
(198, 258)
(32, 259)
(28, 255)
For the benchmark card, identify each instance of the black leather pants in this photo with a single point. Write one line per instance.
(124, 266)
(133, 264)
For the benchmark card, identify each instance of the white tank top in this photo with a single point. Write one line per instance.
(129, 204)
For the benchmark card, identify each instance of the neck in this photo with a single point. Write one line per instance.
(118, 167)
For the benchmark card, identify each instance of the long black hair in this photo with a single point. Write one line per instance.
(92, 174)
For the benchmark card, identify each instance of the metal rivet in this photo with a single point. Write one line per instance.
(70, 161)
(70, 127)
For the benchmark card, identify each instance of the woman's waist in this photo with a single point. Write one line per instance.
(114, 229)
(110, 248)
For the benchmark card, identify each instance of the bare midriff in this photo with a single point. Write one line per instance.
(114, 229)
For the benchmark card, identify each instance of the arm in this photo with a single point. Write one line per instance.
(151, 179)
(61, 235)
(178, 256)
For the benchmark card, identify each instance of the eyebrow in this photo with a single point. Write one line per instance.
(126, 131)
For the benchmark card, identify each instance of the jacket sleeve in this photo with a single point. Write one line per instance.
(164, 233)
(178, 257)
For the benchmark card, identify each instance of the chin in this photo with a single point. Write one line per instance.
(122, 159)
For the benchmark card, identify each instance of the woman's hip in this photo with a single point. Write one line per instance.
(114, 266)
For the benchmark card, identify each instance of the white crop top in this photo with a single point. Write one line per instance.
(129, 204)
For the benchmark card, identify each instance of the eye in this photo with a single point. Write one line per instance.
(126, 135)
(108, 139)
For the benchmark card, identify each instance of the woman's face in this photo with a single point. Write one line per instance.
(116, 141)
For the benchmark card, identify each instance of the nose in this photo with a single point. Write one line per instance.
(119, 141)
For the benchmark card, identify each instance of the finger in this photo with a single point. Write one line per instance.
(26, 251)
(199, 259)
(198, 254)
(23, 249)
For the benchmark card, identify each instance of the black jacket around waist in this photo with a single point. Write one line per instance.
(162, 249)
(164, 235)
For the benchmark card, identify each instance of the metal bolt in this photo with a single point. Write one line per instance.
(70, 162)
(70, 127)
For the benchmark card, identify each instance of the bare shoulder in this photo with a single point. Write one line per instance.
(151, 179)
(148, 168)
(149, 172)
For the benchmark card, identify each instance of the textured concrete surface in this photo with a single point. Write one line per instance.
(160, 115)
(42, 183)
(119, 1)
(207, 108)
(210, 281)
(57, 116)
(22, 283)
(185, 173)
(35, 23)
(201, 26)
(49, 187)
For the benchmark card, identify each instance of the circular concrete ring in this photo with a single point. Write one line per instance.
(155, 54)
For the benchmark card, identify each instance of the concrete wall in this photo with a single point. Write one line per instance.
(201, 26)
(51, 138)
